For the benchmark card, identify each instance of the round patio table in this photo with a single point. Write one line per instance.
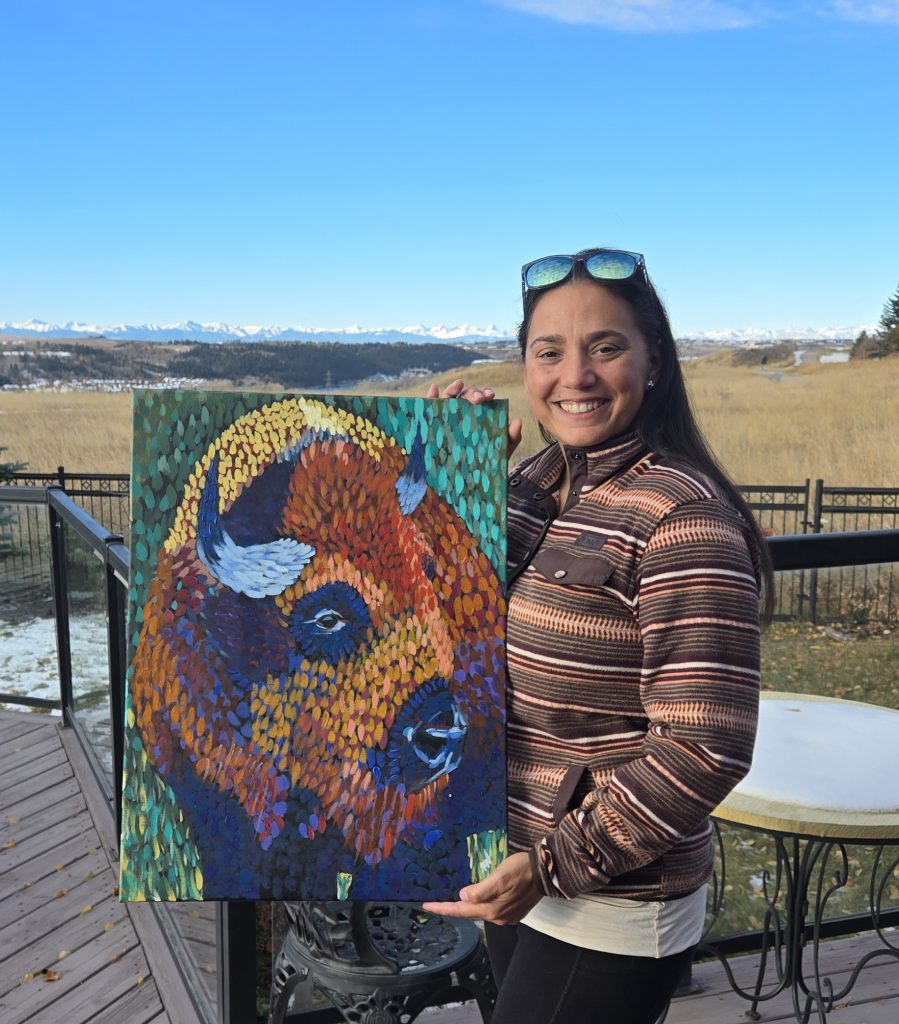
(823, 777)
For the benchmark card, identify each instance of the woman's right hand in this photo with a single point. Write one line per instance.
(477, 396)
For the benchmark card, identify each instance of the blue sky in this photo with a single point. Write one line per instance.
(391, 163)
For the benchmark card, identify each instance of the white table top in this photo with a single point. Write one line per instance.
(822, 767)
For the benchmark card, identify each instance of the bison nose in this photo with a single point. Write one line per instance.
(426, 740)
(437, 740)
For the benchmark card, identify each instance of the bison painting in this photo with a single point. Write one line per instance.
(317, 679)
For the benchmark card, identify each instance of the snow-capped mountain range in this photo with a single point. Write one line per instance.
(189, 330)
(464, 333)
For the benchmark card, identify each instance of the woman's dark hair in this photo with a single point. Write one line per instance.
(665, 421)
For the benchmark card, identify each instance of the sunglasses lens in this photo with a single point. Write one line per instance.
(549, 271)
(611, 266)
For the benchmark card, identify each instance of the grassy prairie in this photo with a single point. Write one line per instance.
(85, 431)
(829, 420)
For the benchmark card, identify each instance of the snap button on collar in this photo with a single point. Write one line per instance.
(559, 573)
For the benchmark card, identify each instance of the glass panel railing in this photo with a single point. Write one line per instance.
(28, 664)
(85, 576)
(192, 935)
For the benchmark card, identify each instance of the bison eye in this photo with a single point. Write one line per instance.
(327, 621)
(329, 624)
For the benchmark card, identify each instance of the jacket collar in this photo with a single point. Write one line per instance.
(603, 461)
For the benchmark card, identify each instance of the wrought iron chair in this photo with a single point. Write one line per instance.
(380, 963)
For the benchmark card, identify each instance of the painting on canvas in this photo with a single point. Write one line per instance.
(315, 705)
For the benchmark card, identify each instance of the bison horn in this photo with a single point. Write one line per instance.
(257, 570)
(411, 485)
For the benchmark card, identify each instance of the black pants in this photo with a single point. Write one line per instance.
(544, 981)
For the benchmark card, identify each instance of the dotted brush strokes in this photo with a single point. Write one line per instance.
(316, 690)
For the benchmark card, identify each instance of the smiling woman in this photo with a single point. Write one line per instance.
(633, 657)
(586, 385)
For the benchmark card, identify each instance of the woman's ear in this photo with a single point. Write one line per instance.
(655, 362)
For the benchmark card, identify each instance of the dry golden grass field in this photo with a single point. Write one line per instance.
(831, 420)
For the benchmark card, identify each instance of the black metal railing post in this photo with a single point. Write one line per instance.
(235, 949)
(116, 604)
(816, 528)
(805, 525)
(60, 607)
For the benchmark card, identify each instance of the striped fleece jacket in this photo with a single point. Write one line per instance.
(633, 652)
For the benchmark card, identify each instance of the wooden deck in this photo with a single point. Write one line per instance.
(69, 950)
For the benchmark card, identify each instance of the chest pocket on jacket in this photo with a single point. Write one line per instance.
(570, 567)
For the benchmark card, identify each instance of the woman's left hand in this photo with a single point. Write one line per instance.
(504, 897)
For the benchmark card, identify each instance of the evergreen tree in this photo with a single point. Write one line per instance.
(7, 515)
(888, 333)
(889, 318)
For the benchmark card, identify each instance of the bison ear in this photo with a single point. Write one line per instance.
(411, 485)
(257, 570)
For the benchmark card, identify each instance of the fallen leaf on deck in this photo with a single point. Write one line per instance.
(108, 927)
(87, 909)
(140, 979)
(50, 975)
(115, 890)
(59, 867)
(28, 977)
(9, 844)
(62, 954)
(12, 821)
(60, 894)
(116, 957)
(89, 876)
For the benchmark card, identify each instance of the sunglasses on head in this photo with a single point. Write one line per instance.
(600, 264)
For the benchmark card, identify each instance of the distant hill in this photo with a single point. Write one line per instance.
(298, 365)
(105, 364)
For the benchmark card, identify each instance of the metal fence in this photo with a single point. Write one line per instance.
(856, 593)
(783, 510)
(104, 496)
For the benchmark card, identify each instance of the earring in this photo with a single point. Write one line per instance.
(650, 384)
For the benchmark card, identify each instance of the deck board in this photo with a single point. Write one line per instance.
(12, 795)
(22, 751)
(61, 790)
(59, 906)
(139, 1006)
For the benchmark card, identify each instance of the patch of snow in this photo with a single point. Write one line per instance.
(29, 668)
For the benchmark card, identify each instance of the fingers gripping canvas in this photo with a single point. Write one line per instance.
(315, 702)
